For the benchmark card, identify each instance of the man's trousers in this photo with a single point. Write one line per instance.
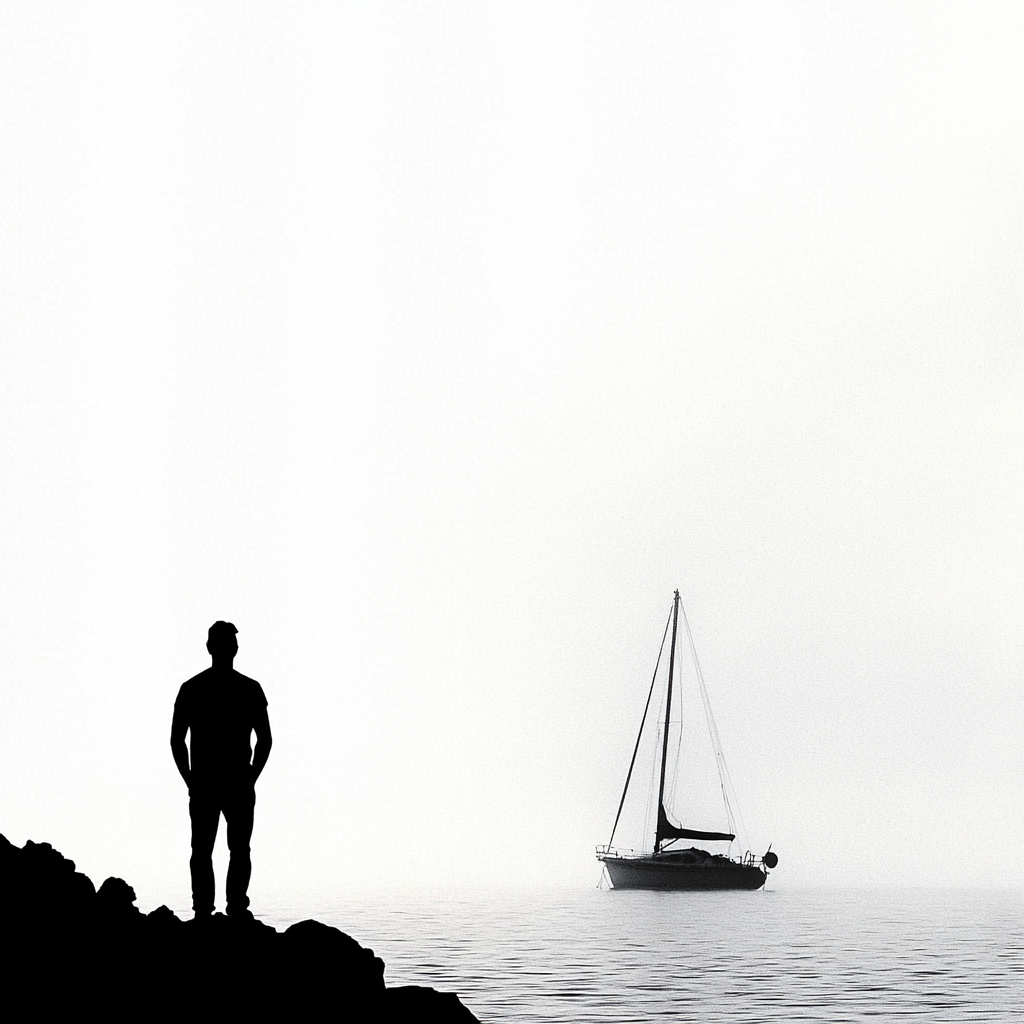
(205, 806)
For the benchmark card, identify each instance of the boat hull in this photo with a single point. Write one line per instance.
(658, 873)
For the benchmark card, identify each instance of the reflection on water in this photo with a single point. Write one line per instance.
(788, 955)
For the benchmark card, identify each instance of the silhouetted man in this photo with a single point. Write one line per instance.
(222, 708)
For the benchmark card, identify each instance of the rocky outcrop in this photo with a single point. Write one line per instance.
(72, 949)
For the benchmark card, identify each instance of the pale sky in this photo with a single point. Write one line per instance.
(435, 346)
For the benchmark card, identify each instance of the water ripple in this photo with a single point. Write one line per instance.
(595, 957)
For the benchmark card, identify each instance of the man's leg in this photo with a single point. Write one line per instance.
(205, 815)
(238, 812)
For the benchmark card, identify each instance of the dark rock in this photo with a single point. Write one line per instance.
(164, 917)
(318, 951)
(72, 950)
(116, 894)
(425, 1006)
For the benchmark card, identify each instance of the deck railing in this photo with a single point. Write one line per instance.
(750, 859)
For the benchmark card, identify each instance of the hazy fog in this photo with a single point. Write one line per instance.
(435, 346)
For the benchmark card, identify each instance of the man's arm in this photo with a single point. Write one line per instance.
(264, 741)
(179, 726)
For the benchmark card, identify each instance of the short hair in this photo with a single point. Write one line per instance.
(220, 630)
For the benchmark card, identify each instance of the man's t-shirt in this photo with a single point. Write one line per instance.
(221, 710)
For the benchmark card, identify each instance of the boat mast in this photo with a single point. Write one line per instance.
(668, 712)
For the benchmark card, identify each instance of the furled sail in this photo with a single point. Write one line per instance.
(666, 830)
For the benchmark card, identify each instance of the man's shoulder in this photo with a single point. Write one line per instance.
(252, 689)
(189, 687)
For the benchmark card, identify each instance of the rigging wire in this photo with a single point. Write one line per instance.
(679, 751)
(724, 778)
(647, 706)
(652, 789)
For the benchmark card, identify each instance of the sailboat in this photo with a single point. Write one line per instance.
(667, 866)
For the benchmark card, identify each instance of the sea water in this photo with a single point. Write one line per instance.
(776, 955)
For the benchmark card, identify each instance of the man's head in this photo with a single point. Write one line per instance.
(221, 642)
